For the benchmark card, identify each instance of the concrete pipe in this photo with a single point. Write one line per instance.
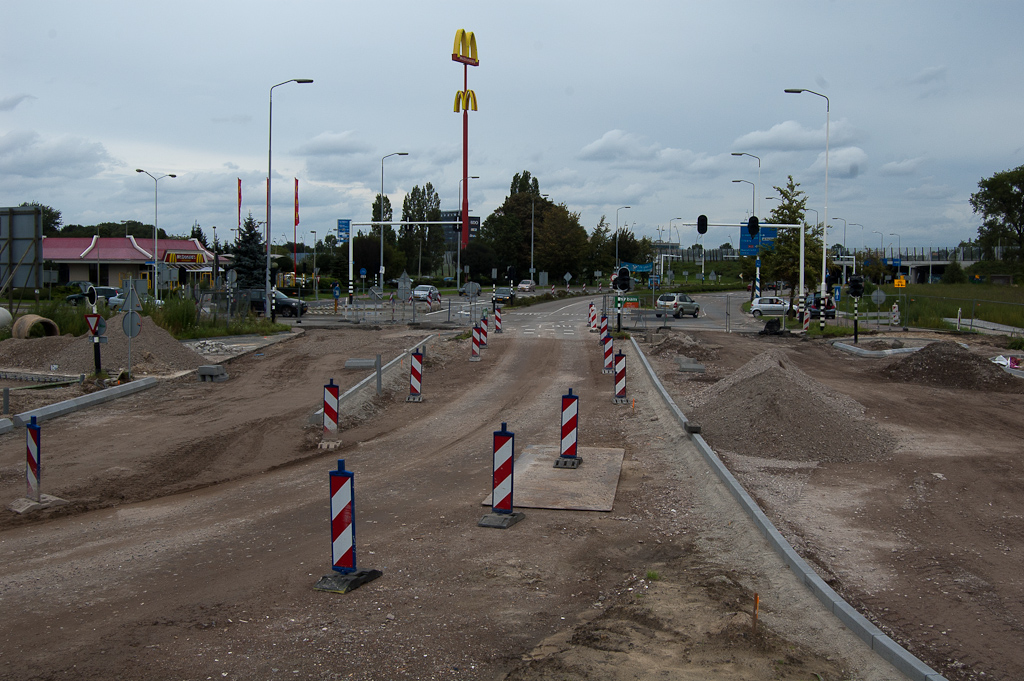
(23, 326)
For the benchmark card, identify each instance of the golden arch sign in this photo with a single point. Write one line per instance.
(465, 100)
(464, 49)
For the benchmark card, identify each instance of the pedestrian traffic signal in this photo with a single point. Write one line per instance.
(752, 225)
(622, 279)
(702, 224)
(856, 286)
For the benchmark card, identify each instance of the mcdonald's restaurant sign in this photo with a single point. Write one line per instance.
(186, 258)
(464, 50)
(465, 100)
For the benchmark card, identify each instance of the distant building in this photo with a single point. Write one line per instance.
(451, 237)
(111, 261)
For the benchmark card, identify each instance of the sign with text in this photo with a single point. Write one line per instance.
(344, 227)
(752, 245)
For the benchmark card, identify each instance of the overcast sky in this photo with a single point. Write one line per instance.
(608, 104)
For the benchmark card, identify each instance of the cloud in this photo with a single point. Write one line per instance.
(928, 82)
(790, 135)
(626, 150)
(10, 103)
(907, 166)
(335, 144)
(27, 154)
(235, 119)
(844, 162)
(929, 191)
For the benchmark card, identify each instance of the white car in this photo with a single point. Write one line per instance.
(769, 305)
(527, 285)
(425, 292)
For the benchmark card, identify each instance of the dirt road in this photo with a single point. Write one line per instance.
(199, 525)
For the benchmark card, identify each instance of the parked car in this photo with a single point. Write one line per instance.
(676, 304)
(117, 301)
(104, 293)
(814, 307)
(285, 306)
(770, 305)
(425, 292)
(527, 285)
(504, 295)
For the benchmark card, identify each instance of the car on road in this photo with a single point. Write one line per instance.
(117, 301)
(814, 307)
(504, 295)
(770, 305)
(527, 285)
(676, 304)
(284, 306)
(104, 293)
(425, 292)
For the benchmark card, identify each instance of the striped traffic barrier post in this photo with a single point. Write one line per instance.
(475, 348)
(620, 379)
(604, 327)
(343, 536)
(608, 367)
(567, 455)
(483, 331)
(552, 289)
(331, 392)
(592, 320)
(415, 376)
(497, 319)
(33, 461)
(502, 515)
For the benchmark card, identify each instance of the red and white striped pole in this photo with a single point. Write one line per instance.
(331, 392)
(620, 379)
(33, 461)
(497, 319)
(483, 331)
(415, 377)
(343, 528)
(567, 456)
(503, 466)
(608, 367)
(552, 289)
(475, 356)
(593, 318)
(604, 326)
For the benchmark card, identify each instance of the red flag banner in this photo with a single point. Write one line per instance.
(239, 203)
(296, 202)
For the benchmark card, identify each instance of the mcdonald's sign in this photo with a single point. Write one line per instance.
(465, 100)
(464, 50)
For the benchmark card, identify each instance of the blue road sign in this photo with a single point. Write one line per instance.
(344, 227)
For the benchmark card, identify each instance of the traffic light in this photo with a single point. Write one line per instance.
(702, 224)
(856, 286)
(752, 225)
(622, 279)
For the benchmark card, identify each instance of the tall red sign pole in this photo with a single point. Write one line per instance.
(464, 52)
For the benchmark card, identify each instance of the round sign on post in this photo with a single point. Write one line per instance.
(101, 326)
(232, 277)
(878, 297)
(131, 323)
(91, 295)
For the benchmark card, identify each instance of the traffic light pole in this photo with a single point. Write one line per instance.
(856, 302)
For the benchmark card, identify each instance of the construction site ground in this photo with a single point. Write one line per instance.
(198, 520)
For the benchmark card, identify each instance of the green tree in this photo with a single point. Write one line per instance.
(600, 251)
(1000, 201)
(954, 274)
(508, 229)
(52, 219)
(422, 244)
(783, 261)
(197, 233)
(524, 183)
(562, 245)
(250, 261)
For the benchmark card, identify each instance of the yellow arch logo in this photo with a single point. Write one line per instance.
(465, 100)
(464, 49)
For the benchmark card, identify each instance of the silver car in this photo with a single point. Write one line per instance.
(770, 305)
(425, 292)
(676, 304)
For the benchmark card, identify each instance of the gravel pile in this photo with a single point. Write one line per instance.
(686, 345)
(949, 365)
(154, 351)
(769, 408)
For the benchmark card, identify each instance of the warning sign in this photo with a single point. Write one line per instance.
(93, 321)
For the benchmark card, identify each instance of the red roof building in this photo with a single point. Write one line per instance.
(111, 261)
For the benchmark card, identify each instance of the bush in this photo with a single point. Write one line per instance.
(954, 274)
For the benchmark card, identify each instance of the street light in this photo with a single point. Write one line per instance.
(743, 153)
(617, 235)
(380, 275)
(270, 146)
(458, 259)
(881, 237)
(899, 244)
(844, 233)
(824, 236)
(156, 231)
(316, 284)
(533, 200)
(753, 194)
(857, 224)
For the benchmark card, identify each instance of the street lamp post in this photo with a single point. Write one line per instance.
(270, 137)
(380, 275)
(753, 194)
(156, 231)
(899, 244)
(844, 233)
(533, 201)
(824, 236)
(617, 235)
(462, 224)
(857, 224)
(316, 284)
(743, 153)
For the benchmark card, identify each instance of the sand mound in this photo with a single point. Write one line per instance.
(769, 408)
(686, 345)
(154, 351)
(949, 365)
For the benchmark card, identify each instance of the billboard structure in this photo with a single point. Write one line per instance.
(21, 248)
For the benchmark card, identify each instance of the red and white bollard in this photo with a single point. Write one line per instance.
(331, 392)
(600, 288)
(620, 379)
(497, 319)
(343, 537)
(552, 289)
(567, 457)
(592, 321)
(483, 331)
(33, 461)
(475, 356)
(415, 377)
(604, 327)
(608, 366)
(502, 515)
